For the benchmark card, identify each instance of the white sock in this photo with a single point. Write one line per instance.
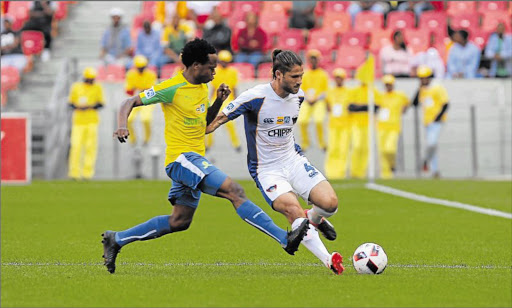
(296, 223)
(315, 214)
(314, 244)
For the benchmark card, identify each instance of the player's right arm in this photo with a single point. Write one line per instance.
(122, 132)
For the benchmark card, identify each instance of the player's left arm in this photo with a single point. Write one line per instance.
(222, 93)
(443, 96)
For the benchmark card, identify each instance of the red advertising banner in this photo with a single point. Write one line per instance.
(16, 150)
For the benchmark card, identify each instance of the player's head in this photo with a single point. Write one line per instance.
(89, 74)
(225, 57)
(140, 62)
(389, 82)
(425, 74)
(313, 57)
(287, 70)
(200, 60)
(339, 76)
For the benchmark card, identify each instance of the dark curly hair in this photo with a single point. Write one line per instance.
(196, 51)
(284, 61)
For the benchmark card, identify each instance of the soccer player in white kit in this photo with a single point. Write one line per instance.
(276, 162)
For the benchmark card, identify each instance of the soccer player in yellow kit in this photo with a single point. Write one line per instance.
(229, 76)
(392, 104)
(358, 108)
(314, 83)
(85, 99)
(139, 79)
(338, 144)
(434, 100)
(187, 112)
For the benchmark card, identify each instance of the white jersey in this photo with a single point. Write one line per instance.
(269, 121)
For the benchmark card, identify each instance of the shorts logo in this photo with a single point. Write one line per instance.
(286, 120)
(201, 109)
(149, 93)
(280, 120)
(206, 165)
(268, 121)
(230, 106)
(272, 188)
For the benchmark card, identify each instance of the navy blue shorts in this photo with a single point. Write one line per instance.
(192, 174)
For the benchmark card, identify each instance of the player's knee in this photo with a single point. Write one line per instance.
(179, 223)
(237, 191)
(330, 203)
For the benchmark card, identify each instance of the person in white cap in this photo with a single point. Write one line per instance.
(116, 42)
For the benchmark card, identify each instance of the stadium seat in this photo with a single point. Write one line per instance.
(138, 20)
(380, 39)
(336, 6)
(491, 19)
(168, 70)
(225, 8)
(491, 6)
(273, 23)
(62, 11)
(479, 37)
(10, 78)
(20, 11)
(110, 73)
(322, 40)
(441, 48)
(417, 40)
(400, 20)
(350, 57)
(247, 6)
(265, 70)
(274, 7)
(291, 39)
(355, 39)
(368, 22)
(236, 21)
(460, 7)
(245, 70)
(337, 22)
(32, 42)
(4, 97)
(148, 8)
(465, 21)
(434, 21)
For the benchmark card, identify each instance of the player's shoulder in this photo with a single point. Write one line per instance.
(175, 81)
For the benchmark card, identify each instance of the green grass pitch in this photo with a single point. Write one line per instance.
(438, 256)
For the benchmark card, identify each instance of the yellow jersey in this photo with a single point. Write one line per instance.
(85, 95)
(315, 82)
(338, 101)
(229, 76)
(135, 81)
(391, 109)
(432, 98)
(184, 106)
(359, 96)
(175, 33)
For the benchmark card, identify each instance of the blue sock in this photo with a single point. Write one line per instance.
(153, 228)
(255, 216)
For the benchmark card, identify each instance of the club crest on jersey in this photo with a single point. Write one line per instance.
(286, 120)
(201, 108)
(230, 106)
(272, 188)
(149, 93)
(280, 120)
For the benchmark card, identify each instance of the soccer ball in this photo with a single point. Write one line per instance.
(369, 258)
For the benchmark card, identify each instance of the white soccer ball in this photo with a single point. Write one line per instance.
(369, 258)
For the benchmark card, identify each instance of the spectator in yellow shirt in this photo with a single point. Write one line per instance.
(434, 100)
(85, 98)
(314, 83)
(229, 76)
(339, 127)
(139, 79)
(392, 104)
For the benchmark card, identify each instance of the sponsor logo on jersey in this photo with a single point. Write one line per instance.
(149, 93)
(280, 120)
(230, 106)
(281, 132)
(272, 188)
(201, 109)
(268, 121)
(286, 120)
(192, 121)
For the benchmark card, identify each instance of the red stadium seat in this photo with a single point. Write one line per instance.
(274, 7)
(368, 22)
(225, 8)
(10, 78)
(434, 21)
(247, 6)
(355, 39)
(322, 40)
(479, 37)
(465, 21)
(400, 20)
(148, 8)
(111, 72)
(265, 70)
(32, 42)
(490, 21)
(245, 70)
(62, 10)
(350, 57)
(168, 70)
(380, 39)
(236, 21)
(417, 40)
(441, 48)
(273, 23)
(460, 7)
(4, 97)
(336, 6)
(20, 11)
(138, 20)
(491, 6)
(339, 22)
(291, 39)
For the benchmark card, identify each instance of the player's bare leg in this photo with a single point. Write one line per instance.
(325, 204)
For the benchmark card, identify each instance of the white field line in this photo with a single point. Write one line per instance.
(454, 204)
(259, 264)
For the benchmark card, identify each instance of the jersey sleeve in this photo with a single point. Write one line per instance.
(160, 93)
(442, 94)
(129, 84)
(73, 95)
(240, 105)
